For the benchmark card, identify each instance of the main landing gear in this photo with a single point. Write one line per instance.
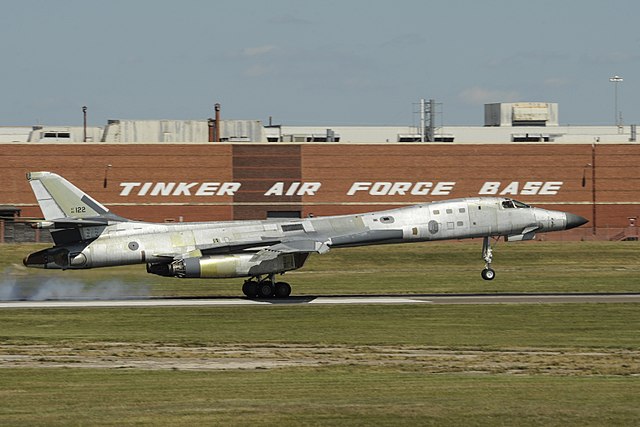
(256, 287)
(488, 273)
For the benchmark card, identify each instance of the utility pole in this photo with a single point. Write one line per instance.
(593, 186)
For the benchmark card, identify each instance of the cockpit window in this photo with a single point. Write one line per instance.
(511, 204)
(520, 204)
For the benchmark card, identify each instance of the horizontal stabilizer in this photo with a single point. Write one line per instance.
(73, 223)
(61, 223)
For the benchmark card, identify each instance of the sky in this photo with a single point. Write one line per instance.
(322, 62)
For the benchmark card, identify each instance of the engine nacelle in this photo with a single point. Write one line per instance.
(225, 266)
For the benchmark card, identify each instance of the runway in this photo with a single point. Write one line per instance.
(333, 300)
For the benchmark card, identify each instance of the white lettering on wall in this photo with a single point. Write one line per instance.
(402, 188)
(529, 188)
(374, 188)
(180, 188)
(294, 189)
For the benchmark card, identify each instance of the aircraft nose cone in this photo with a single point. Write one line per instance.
(574, 221)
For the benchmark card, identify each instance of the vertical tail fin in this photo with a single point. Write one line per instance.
(58, 198)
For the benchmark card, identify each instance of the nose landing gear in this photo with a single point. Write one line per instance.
(487, 254)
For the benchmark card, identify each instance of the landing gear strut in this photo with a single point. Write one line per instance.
(488, 273)
(257, 287)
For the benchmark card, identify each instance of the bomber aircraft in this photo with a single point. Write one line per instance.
(87, 235)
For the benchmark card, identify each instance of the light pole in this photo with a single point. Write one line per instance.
(615, 80)
(84, 115)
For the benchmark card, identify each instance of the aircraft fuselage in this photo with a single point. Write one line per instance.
(134, 242)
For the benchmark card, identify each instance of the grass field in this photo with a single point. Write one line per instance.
(527, 364)
(414, 268)
(327, 396)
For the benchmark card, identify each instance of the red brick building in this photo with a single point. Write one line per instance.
(219, 181)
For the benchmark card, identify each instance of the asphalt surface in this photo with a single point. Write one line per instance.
(334, 300)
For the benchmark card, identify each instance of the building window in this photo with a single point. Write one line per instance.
(64, 135)
(284, 214)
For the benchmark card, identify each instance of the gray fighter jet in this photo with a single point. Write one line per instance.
(87, 235)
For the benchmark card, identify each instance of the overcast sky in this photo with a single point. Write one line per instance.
(341, 62)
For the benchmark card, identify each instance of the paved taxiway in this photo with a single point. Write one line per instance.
(335, 300)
